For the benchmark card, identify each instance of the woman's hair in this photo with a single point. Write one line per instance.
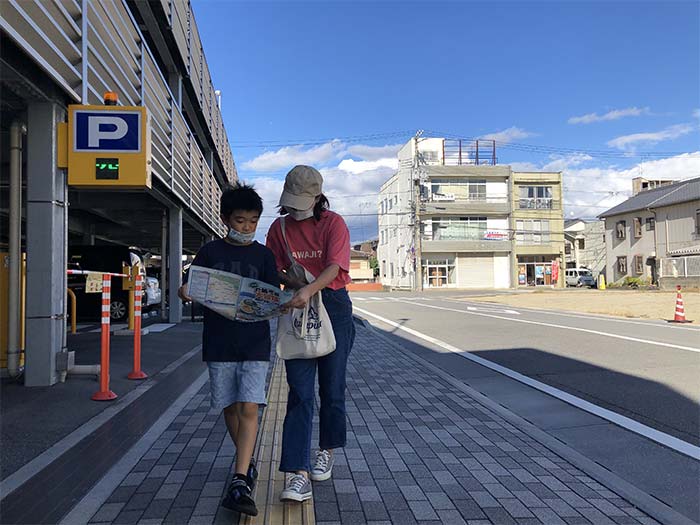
(240, 197)
(321, 206)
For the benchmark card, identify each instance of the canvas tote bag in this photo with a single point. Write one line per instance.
(304, 333)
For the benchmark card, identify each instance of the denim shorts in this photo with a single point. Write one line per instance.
(237, 382)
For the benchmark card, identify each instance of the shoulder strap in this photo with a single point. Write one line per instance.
(286, 242)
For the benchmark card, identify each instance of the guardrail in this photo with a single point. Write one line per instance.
(89, 47)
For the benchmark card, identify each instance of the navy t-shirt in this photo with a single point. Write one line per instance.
(224, 339)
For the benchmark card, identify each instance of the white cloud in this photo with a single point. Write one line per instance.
(696, 113)
(289, 156)
(508, 135)
(590, 191)
(374, 152)
(610, 115)
(627, 142)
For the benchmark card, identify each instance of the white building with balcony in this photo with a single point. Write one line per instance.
(445, 218)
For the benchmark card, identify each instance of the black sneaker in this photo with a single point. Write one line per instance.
(238, 498)
(252, 475)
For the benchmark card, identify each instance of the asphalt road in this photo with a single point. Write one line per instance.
(645, 370)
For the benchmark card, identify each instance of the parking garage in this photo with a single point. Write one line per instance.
(53, 55)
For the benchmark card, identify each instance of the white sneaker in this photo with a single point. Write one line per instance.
(297, 487)
(323, 467)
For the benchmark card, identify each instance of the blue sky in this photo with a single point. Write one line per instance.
(590, 76)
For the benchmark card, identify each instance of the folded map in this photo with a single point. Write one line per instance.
(235, 297)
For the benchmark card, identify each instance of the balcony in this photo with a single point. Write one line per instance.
(464, 236)
(450, 204)
(472, 246)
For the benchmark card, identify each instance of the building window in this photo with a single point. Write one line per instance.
(622, 265)
(651, 224)
(383, 268)
(391, 203)
(430, 157)
(391, 266)
(458, 189)
(638, 264)
(381, 235)
(455, 229)
(697, 222)
(536, 197)
(396, 199)
(581, 244)
(621, 230)
(438, 273)
(637, 223)
(532, 232)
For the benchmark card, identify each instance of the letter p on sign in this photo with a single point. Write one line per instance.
(103, 127)
(113, 131)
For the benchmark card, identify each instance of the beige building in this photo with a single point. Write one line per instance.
(449, 217)
(538, 219)
(360, 269)
(655, 235)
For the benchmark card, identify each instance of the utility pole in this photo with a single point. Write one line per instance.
(415, 193)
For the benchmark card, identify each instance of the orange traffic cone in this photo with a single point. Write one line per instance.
(679, 316)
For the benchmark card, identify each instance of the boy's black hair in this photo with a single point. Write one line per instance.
(240, 197)
(322, 205)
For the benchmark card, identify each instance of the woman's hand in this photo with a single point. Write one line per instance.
(182, 294)
(300, 299)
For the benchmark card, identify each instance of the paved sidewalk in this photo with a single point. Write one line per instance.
(420, 450)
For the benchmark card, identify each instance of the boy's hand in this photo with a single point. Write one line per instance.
(182, 294)
(300, 299)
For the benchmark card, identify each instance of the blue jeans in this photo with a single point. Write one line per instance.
(301, 375)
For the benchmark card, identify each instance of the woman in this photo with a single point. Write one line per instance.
(320, 241)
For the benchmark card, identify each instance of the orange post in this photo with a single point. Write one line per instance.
(137, 373)
(105, 394)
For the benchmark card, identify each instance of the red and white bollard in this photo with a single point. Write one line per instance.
(679, 314)
(105, 394)
(137, 373)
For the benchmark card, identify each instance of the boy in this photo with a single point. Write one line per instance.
(238, 354)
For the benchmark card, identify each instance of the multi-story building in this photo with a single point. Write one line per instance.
(54, 54)
(447, 219)
(585, 245)
(538, 217)
(655, 235)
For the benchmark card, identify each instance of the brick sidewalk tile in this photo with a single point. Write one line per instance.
(418, 451)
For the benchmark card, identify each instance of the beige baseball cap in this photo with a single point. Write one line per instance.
(301, 187)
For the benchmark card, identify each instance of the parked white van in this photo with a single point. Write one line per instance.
(579, 277)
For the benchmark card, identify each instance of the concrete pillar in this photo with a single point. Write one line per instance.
(174, 263)
(46, 246)
(89, 235)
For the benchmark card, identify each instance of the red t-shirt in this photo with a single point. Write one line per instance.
(315, 245)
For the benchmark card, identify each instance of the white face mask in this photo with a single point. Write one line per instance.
(301, 215)
(240, 238)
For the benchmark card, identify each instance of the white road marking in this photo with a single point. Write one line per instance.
(159, 327)
(495, 310)
(563, 327)
(601, 317)
(660, 437)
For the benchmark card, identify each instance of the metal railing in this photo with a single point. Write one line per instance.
(457, 152)
(688, 266)
(105, 50)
